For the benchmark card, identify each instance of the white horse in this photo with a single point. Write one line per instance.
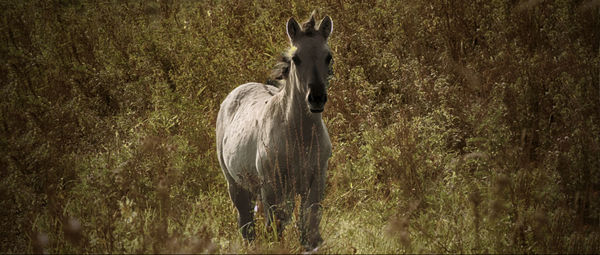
(272, 141)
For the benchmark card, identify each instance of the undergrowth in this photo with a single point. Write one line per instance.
(457, 126)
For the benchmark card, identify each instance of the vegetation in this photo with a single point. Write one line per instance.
(457, 126)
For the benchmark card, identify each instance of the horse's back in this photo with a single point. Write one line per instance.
(246, 97)
(237, 124)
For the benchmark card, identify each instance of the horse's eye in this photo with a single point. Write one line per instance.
(328, 59)
(296, 60)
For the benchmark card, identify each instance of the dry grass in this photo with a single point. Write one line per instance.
(457, 126)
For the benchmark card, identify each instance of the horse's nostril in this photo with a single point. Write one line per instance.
(317, 98)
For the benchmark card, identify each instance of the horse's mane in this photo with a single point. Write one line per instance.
(281, 70)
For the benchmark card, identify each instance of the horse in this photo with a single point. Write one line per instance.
(272, 143)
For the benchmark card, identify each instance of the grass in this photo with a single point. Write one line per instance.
(457, 126)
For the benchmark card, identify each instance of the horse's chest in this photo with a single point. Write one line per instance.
(289, 155)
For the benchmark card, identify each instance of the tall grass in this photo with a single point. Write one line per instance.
(457, 126)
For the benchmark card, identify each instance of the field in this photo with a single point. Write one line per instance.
(457, 126)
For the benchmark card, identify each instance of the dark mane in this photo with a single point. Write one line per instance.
(280, 71)
(308, 27)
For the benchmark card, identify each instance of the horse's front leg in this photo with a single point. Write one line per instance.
(274, 209)
(310, 213)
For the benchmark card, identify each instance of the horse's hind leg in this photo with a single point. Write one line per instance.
(242, 200)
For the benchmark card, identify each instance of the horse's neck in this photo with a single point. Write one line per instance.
(292, 102)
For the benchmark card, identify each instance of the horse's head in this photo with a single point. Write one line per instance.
(311, 59)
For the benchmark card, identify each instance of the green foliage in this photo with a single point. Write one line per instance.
(457, 126)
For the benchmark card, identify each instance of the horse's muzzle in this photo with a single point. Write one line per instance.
(316, 101)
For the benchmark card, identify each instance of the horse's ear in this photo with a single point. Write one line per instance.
(326, 27)
(292, 29)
